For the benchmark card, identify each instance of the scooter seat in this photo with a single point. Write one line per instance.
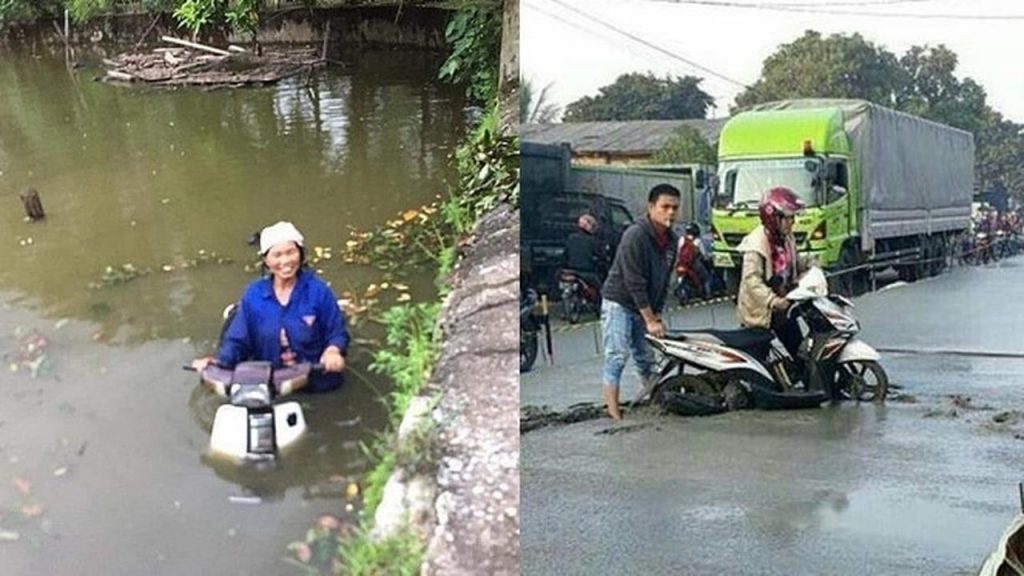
(751, 340)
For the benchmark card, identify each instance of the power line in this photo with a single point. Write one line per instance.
(819, 9)
(575, 25)
(829, 3)
(606, 38)
(650, 45)
(623, 42)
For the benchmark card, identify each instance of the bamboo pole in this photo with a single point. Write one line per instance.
(195, 45)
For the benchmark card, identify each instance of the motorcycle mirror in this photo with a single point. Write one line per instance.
(812, 284)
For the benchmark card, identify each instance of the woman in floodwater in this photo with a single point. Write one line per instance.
(289, 316)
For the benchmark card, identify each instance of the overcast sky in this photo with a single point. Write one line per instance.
(577, 55)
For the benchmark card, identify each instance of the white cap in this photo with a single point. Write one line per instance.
(277, 234)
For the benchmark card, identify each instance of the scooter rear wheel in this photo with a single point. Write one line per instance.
(688, 395)
(863, 381)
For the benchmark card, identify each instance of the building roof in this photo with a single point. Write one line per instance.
(633, 137)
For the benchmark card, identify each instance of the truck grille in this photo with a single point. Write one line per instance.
(734, 240)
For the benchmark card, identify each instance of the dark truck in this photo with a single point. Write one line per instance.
(548, 222)
(555, 192)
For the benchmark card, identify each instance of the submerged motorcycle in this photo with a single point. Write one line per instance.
(710, 371)
(255, 425)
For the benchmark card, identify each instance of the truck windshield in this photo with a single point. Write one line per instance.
(744, 181)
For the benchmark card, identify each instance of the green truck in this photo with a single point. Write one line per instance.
(881, 186)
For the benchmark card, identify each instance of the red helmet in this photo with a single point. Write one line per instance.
(775, 203)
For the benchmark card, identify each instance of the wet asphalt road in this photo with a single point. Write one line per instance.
(921, 487)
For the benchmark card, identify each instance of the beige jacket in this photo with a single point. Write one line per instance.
(755, 300)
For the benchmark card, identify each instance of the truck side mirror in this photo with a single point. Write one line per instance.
(831, 171)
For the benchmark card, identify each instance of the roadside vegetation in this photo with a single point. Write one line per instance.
(922, 81)
(487, 168)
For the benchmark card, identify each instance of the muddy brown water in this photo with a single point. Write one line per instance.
(102, 455)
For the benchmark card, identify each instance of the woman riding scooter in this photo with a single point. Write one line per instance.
(771, 267)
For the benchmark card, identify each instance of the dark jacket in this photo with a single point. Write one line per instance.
(581, 252)
(640, 272)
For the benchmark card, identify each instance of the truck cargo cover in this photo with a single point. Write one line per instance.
(917, 176)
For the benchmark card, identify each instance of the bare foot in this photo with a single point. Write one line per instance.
(611, 400)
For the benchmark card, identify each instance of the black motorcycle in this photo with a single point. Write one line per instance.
(529, 330)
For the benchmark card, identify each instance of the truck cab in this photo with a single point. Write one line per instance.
(806, 150)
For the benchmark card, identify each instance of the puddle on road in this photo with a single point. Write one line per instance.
(944, 524)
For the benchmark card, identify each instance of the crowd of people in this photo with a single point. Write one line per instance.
(994, 234)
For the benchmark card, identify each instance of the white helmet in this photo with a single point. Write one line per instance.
(277, 234)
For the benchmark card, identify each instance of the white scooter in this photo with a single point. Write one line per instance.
(252, 426)
(731, 369)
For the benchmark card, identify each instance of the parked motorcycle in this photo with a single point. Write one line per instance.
(529, 330)
(983, 252)
(710, 371)
(579, 296)
(688, 288)
(1005, 244)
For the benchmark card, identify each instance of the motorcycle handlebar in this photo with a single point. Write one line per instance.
(318, 367)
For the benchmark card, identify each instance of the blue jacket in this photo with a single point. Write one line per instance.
(311, 320)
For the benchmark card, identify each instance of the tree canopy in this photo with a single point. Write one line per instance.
(685, 146)
(639, 96)
(922, 82)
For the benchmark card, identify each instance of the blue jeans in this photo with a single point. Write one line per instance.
(623, 333)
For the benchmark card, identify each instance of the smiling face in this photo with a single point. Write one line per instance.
(283, 260)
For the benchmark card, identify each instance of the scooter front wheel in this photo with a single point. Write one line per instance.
(528, 346)
(863, 380)
(572, 309)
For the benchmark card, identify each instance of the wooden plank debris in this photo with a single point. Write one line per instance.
(191, 63)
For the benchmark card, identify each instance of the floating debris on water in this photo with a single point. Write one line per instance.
(352, 490)
(24, 486)
(117, 275)
(31, 353)
(31, 510)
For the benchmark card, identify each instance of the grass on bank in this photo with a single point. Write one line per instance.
(488, 174)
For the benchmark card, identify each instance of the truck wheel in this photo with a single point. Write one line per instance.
(851, 283)
(910, 271)
(938, 256)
